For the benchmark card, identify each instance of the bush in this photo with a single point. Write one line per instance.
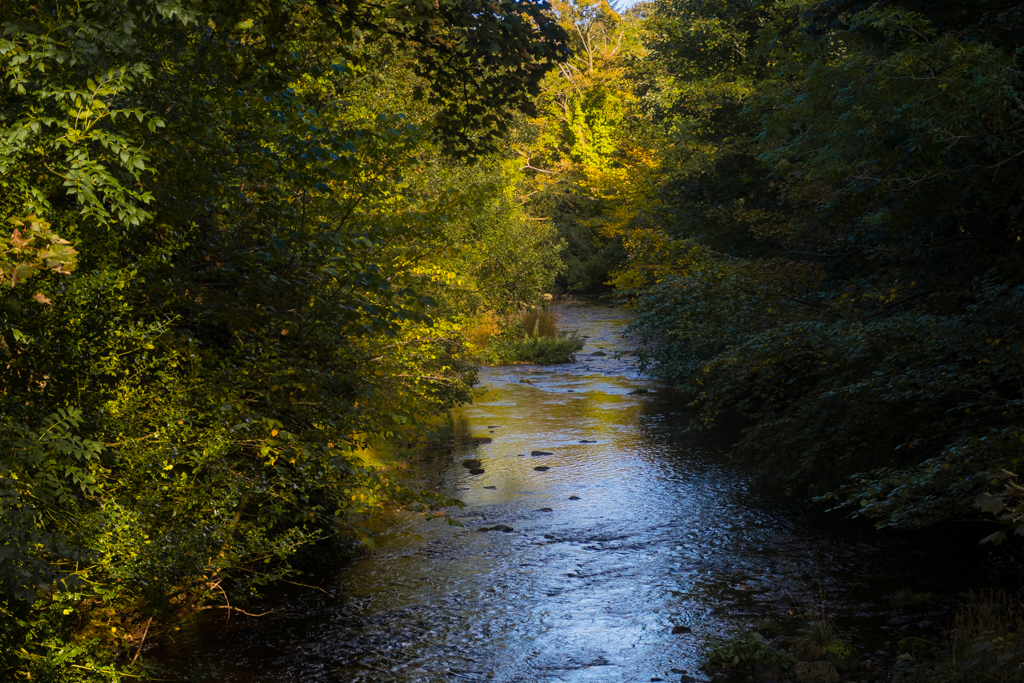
(744, 650)
(531, 337)
(537, 350)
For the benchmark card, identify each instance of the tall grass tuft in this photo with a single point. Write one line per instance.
(480, 331)
(539, 322)
(532, 336)
(986, 644)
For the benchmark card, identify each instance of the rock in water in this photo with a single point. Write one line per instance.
(574, 497)
(496, 527)
(542, 468)
(676, 630)
(541, 453)
(545, 510)
(599, 353)
(492, 488)
(816, 672)
(477, 470)
(639, 391)
(472, 463)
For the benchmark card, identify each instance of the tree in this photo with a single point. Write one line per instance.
(840, 259)
(234, 253)
(577, 152)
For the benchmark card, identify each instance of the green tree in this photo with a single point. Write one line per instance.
(575, 153)
(839, 258)
(232, 239)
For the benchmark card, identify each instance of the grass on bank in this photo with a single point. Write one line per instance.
(531, 337)
(985, 644)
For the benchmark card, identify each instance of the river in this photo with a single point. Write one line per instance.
(635, 528)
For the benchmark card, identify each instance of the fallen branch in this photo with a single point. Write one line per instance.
(142, 642)
(236, 609)
(306, 585)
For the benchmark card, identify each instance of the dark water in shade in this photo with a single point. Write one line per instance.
(663, 533)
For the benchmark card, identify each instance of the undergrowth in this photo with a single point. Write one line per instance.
(531, 336)
(537, 350)
(744, 650)
(986, 645)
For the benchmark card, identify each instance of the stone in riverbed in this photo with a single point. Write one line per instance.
(676, 630)
(477, 470)
(472, 463)
(496, 527)
(816, 672)
(542, 468)
(599, 353)
(574, 497)
(535, 453)
(638, 391)
(545, 510)
(492, 488)
(585, 441)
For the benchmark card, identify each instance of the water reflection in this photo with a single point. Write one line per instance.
(635, 528)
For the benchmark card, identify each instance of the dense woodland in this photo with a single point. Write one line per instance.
(244, 239)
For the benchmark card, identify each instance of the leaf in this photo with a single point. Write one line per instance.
(992, 504)
(19, 240)
(995, 539)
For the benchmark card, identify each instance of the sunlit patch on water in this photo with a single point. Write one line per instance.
(578, 572)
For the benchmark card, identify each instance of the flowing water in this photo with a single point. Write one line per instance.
(635, 528)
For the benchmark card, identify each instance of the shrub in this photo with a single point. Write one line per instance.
(537, 350)
(531, 337)
(743, 650)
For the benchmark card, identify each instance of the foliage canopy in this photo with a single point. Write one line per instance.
(242, 238)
